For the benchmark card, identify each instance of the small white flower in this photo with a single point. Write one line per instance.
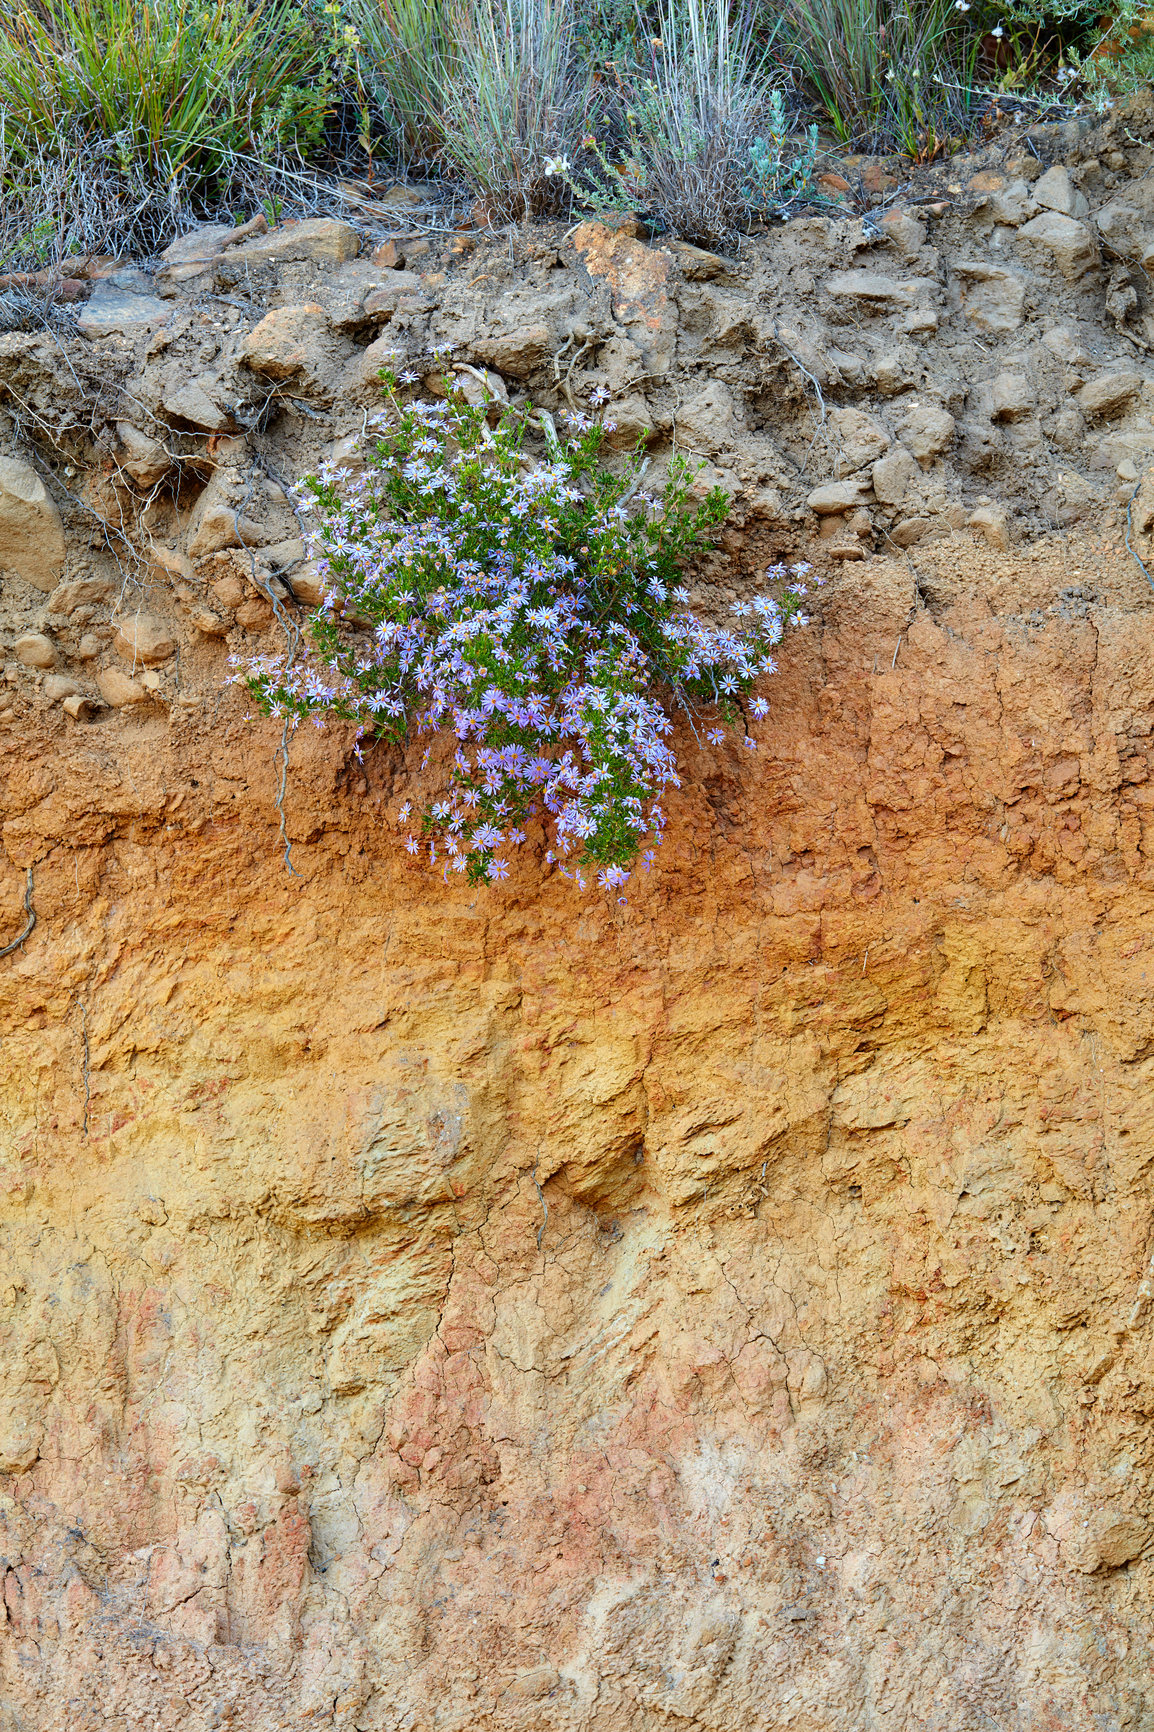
(556, 165)
(961, 5)
(890, 76)
(997, 32)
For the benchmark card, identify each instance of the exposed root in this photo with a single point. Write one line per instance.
(27, 932)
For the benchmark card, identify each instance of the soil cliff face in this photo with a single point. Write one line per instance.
(430, 1309)
(425, 1308)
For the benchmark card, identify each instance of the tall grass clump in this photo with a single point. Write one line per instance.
(693, 114)
(697, 133)
(539, 105)
(175, 88)
(407, 59)
(62, 196)
(515, 102)
(888, 77)
(120, 117)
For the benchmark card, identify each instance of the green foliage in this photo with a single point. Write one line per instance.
(172, 88)
(529, 613)
(701, 133)
(516, 99)
(781, 165)
(888, 77)
(407, 59)
(692, 118)
(609, 34)
(1115, 54)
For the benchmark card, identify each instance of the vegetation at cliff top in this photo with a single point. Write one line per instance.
(121, 120)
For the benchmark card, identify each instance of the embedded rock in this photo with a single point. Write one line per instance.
(904, 232)
(169, 560)
(1109, 393)
(60, 686)
(142, 638)
(910, 530)
(346, 292)
(1067, 346)
(80, 707)
(81, 592)
(992, 523)
(478, 385)
(1125, 229)
(1070, 243)
(286, 342)
(142, 457)
(31, 530)
(195, 401)
(859, 437)
(401, 290)
(194, 254)
(1011, 397)
(992, 296)
(706, 422)
(893, 373)
(1055, 191)
(321, 240)
(206, 622)
(1095, 1531)
(516, 353)
(217, 522)
(637, 277)
(697, 264)
(35, 650)
(113, 312)
(306, 584)
(1010, 204)
(632, 423)
(118, 690)
(868, 288)
(1111, 1540)
(839, 496)
(892, 475)
(926, 431)
(282, 553)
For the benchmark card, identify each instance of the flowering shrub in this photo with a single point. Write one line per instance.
(532, 609)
